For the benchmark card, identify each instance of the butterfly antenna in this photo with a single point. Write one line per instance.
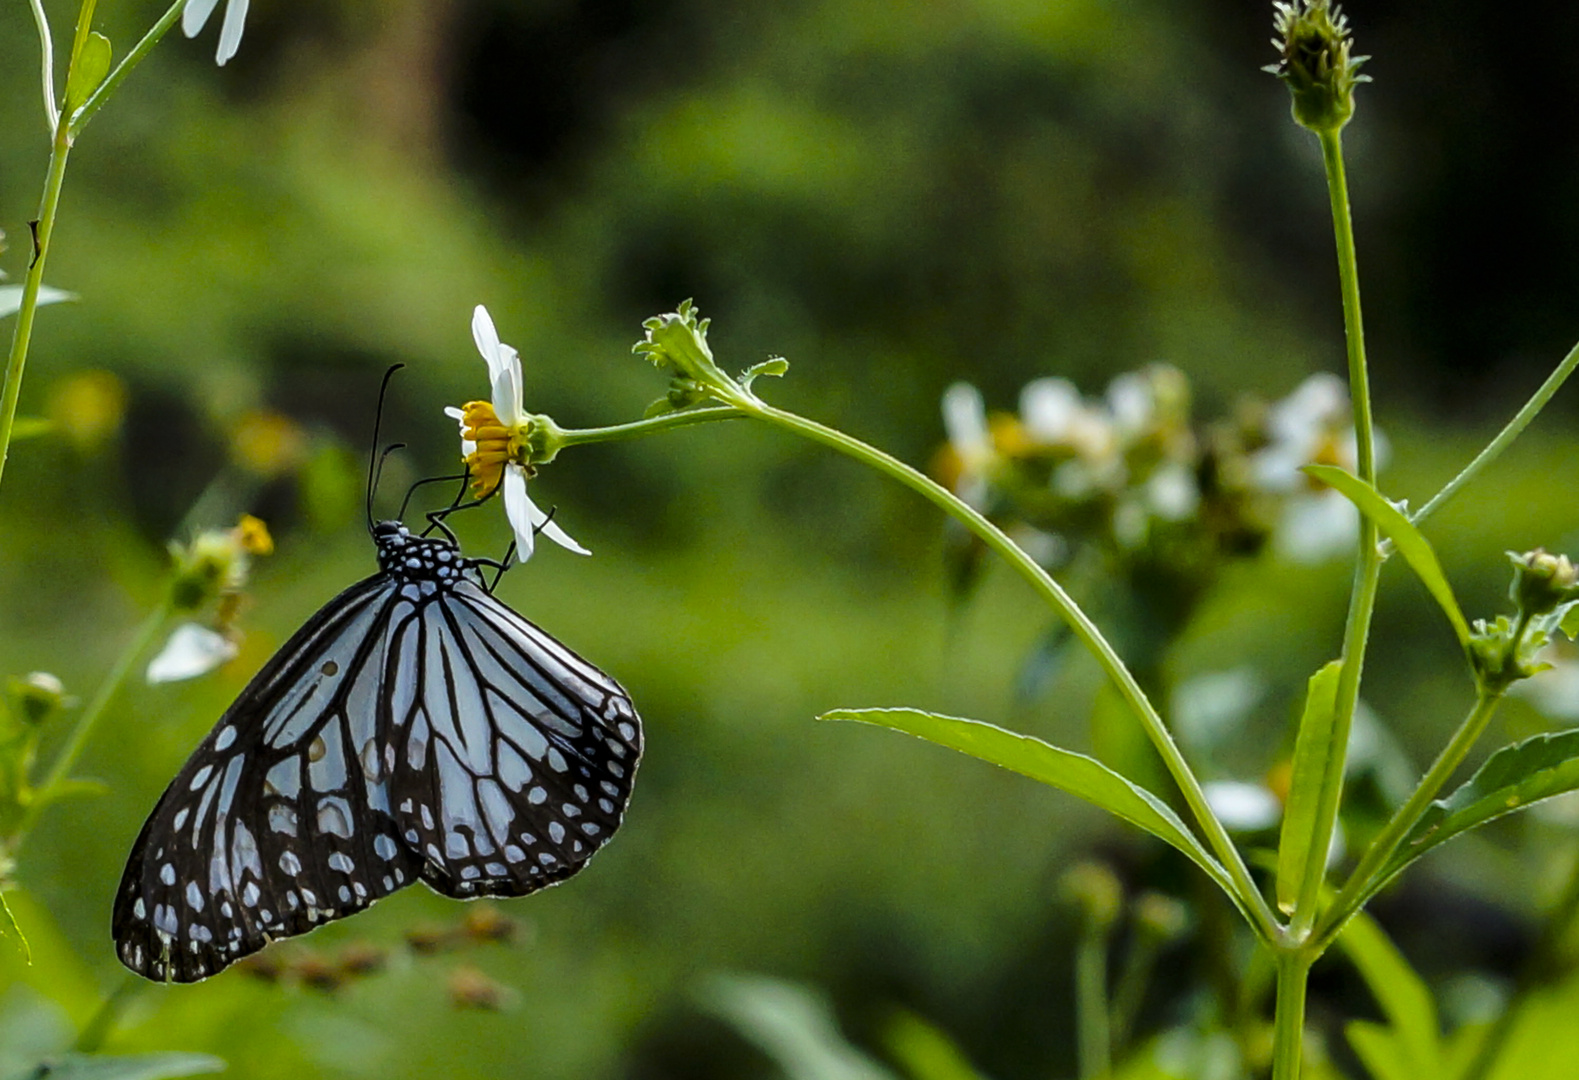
(375, 463)
(503, 565)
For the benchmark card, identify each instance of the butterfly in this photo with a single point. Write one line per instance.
(414, 728)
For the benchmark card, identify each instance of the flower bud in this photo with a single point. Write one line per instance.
(678, 341)
(1096, 890)
(38, 696)
(1316, 64)
(1541, 581)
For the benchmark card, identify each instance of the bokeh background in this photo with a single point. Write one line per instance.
(892, 195)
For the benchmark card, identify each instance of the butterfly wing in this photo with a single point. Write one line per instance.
(280, 819)
(513, 756)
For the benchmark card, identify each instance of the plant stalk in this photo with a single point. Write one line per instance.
(1288, 1025)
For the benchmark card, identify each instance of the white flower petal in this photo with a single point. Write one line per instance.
(965, 421)
(1171, 491)
(1317, 527)
(507, 388)
(1130, 401)
(1242, 807)
(487, 339)
(192, 650)
(1049, 408)
(550, 528)
(518, 509)
(195, 14)
(230, 32)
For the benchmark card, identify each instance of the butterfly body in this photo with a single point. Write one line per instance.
(415, 727)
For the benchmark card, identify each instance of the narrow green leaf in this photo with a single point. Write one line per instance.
(30, 427)
(1404, 998)
(1379, 1050)
(1317, 766)
(12, 927)
(926, 1052)
(1081, 776)
(129, 1067)
(793, 1024)
(72, 788)
(11, 298)
(1397, 527)
(93, 63)
(1511, 779)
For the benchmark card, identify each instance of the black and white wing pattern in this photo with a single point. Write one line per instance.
(415, 727)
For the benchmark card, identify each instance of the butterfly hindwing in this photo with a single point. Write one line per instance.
(414, 727)
(520, 770)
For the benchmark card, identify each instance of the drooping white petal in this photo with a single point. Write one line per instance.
(487, 339)
(518, 509)
(195, 14)
(230, 32)
(1317, 526)
(550, 528)
(192, 650)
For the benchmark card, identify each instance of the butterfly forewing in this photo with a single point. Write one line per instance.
(414, 727)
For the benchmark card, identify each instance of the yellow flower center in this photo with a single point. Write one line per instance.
(497, 446)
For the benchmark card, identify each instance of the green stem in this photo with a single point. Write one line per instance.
(78, 740)
(1095, 1040)
(101, 94)
(1288, 1025)
(1249, 896)
(1363, 882)
(1505, 437)
(638, 428)
(22, 336)
(1367, 571)
(46, 44)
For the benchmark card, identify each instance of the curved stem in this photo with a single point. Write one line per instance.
(650, 426)
(1367, 571)
(1249, 896)
(1363, 883)
(47, 50)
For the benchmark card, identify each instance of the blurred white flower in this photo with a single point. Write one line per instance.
(493, 441)
(1312, 425)
(965, 423)
(196, 14)
(1555, 691)
(192, 650)
(1171, 492)
(1054, 414)
(1243, 807)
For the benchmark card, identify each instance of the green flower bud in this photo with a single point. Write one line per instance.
(1159, 917)
(1096, 890)
(1542, 581)
(38, 696)
(1316, 64)
(677, 341)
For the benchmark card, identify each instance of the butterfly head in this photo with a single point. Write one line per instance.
(417, 558)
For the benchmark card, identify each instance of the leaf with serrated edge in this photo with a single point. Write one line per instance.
(1513, 778)
(1397, 527)
(1077, 774)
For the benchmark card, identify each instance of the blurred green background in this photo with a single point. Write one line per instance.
(893, 196)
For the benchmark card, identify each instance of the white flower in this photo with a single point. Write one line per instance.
(965, 422)
(196, 15)
(1312, 425)
(192, 650)
(494, 439)
(1242, 807)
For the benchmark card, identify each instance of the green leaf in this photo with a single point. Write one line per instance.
(773, 365)
(11, 298)
(30, 427)
(1411, 542)
(1511, 779)
(1317, 767)
(926, 1052)
(12, 927)
(1081, 776)
(1411, 1046)
(71, 789)
(92, 64)
(794, 1025)
(129, 1067)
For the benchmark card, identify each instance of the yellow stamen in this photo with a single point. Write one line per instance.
(253, 536)
(497, 445)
